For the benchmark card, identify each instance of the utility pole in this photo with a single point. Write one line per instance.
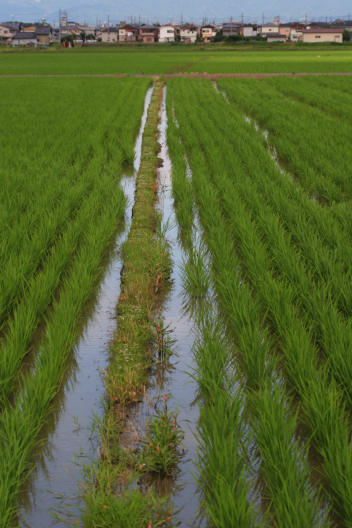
(242, 18)
(108, 28)
(263, 19)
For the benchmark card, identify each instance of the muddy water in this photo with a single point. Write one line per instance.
(69, 443)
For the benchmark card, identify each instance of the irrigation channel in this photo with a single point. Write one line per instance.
(70, 442)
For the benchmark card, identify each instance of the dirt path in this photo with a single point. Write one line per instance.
(204, 75)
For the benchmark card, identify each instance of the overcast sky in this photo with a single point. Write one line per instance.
(163, 11)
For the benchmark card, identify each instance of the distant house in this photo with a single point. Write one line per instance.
(148, 34)
(109, 34)
(208, 32)
(43, 35)
(322, 35)
(166, 33)
(285, 30)
(249, 31)
(8, 31)
(25, 38)
(275, 37)
(296, 35)
(188, 33)
(229, 29)
(270, 28)
(127, 33)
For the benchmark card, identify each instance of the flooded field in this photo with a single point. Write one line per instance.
(175, 303)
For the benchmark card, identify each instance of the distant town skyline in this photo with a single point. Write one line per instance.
(163, 11)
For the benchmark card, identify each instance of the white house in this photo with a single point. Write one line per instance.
(296, 35)
(249, 31)
(166, 33)
(208, 32)
(188, 33)
(270, 28)
(323, 35)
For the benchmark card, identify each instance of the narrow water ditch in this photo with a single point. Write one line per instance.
(68, 441)
(180, 384)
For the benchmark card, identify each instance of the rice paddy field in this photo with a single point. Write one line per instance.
(145, 61)
(202, 229)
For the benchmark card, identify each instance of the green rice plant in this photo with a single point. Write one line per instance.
(66, 280)
(241, 263)
(307, 90)
(256, 58)
(320, 165)
(21, 423)
(300, 503)
(47, 213)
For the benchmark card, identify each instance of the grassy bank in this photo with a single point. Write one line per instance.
(110, 499)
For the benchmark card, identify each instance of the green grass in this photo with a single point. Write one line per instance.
(209, 60)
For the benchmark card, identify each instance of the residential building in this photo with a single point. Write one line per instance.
(109, 34)
(148, 34)
(322, 35)
(166, 33)
(269, 28)
(188, 33)
(230, 29)
(127, 33)
(43, 35)
(25, 38)
(249, 31)
(208, 32)
(8, 31)
(296, 35)
(285, 29)
(275, 37)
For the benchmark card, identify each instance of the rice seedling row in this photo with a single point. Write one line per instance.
(158, 60)
(268, 401)
(82, 246)
(35, 238)
(320, 398)
(326, 175)
(306, 89)
(330, 331)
